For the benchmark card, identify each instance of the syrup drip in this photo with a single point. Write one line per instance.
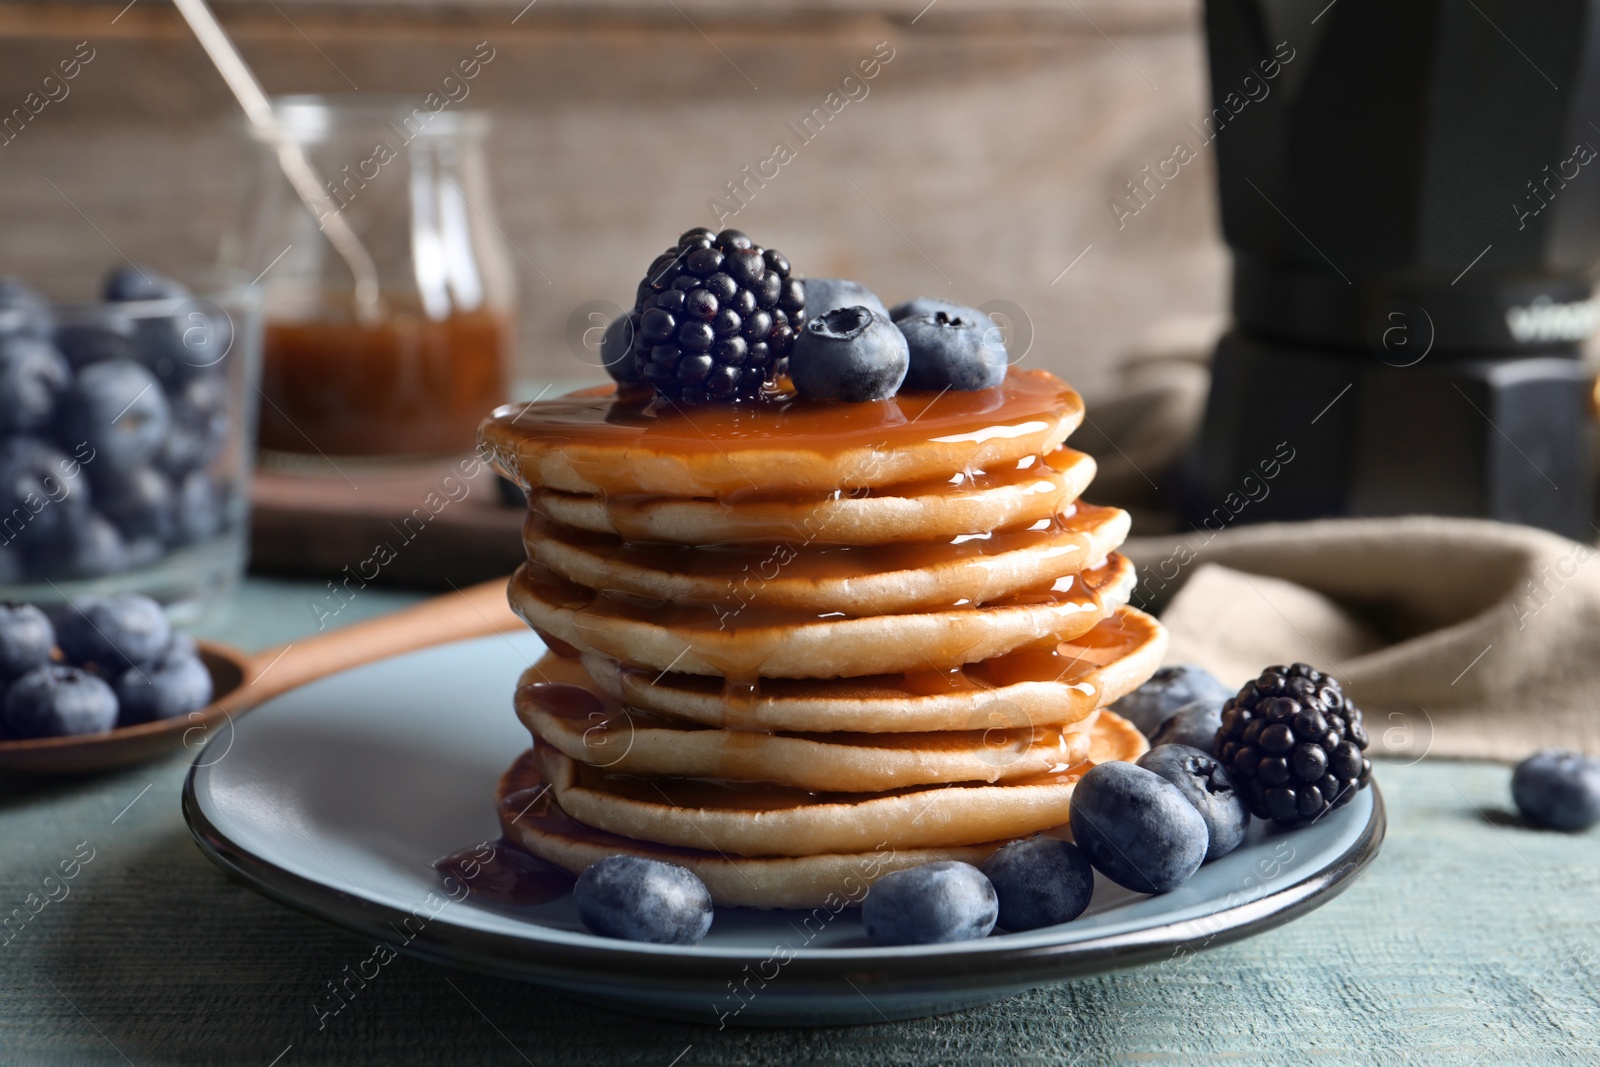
(740, 695)
(545, 816)
(500, 873)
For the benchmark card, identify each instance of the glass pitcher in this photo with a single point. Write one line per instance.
(412, 183)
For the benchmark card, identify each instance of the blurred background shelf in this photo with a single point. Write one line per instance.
(981, 163)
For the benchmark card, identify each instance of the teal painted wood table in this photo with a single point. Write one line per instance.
(1472, 939)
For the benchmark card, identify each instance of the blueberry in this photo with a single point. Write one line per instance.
(829, 294)
(851, 354)
(952, 353)
(1169, 689)
(927, 305)
(174, 684)
(41, 492)
(1558, 788)
(930, 904)
(1137, 828)
(1195, 724)
(193, 339)
(56, 701)
(1040, 881)
(88, 547)
(112, 633)
(139, 282)
(119, 410)
(1203, 783)
(639, 899)
(13, 568)
(197, 510)
(26, 638)
(140, 503)
(616, 348)
(200, 423)
(33, 375)
(180, 644)
(95, 336)
(23, 311)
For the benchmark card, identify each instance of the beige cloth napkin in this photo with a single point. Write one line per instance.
(1456, 637)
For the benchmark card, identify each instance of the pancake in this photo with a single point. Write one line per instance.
(602, 733)
(531, 818)
(595, 442)
(855, 580)
(532, 821)
(1034, 688)
(756, 819)
(1019, 494)
(771, 644)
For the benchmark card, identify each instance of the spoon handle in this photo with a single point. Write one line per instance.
(475, 611)
(307, 184)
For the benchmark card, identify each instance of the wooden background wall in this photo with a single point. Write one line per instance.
(981, 164)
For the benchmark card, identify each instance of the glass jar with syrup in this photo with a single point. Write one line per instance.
(411, 373)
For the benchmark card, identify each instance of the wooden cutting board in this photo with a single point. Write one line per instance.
(432, 524)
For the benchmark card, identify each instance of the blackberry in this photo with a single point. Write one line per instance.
(715, 318)
(1292, 743)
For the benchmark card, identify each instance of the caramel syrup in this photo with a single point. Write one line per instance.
(500, 873)
(636, 419)
(409, 385)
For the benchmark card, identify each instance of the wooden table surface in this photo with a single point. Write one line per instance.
(1472, 939)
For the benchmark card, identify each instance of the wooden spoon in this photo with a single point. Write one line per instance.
(240, 681)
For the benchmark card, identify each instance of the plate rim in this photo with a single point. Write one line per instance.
(626, 965)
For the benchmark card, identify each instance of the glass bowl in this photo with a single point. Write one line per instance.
(137, 479)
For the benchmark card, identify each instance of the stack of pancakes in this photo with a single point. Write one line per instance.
(795, 646)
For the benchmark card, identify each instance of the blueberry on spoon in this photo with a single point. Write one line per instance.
(26, 638)
(56, 701)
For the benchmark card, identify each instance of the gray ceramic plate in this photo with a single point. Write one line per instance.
(335, 797)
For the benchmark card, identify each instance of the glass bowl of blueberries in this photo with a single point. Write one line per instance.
(126, 433)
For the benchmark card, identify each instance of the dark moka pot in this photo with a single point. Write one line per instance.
(1412, 196)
